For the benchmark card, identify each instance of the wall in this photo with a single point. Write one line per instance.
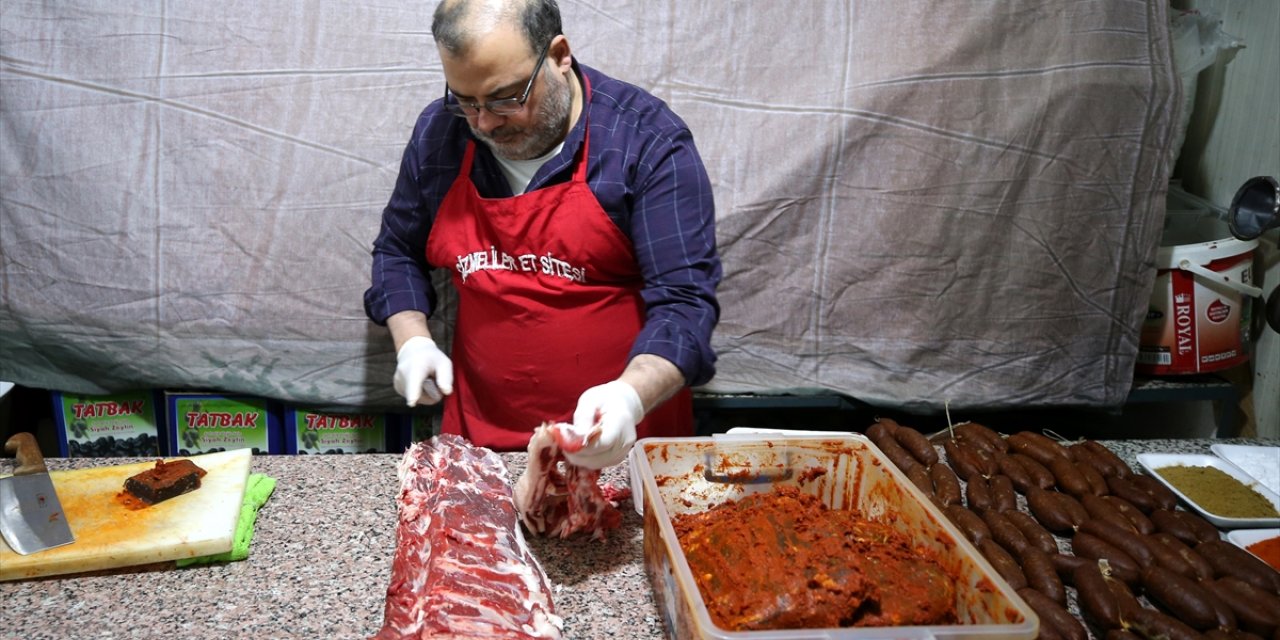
(1234, 134)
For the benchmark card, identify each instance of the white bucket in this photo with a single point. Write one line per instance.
(1198, 319)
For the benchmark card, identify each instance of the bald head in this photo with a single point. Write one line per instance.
(457, 24)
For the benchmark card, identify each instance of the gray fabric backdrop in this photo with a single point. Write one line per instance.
(918, 202)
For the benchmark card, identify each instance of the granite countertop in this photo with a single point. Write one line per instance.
(321, 562)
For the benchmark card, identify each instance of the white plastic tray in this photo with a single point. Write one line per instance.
(1244, 537)
(1263, 463)
(1152, 462)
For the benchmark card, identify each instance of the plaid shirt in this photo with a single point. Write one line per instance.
(643, 168)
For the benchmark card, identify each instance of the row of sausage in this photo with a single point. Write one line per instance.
(1073, 528)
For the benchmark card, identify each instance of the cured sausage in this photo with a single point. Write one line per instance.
(1123, 567)
(1140, 521)
(963, 460)
(1097, 481)
(1018, 474)
(1185, 526)
(1068, 478)
(1085, 457)
(1182, 596)
(1234, 634)
(880, 429)
(1058, 512)
(1036, 535)
(1101, 509)
(1003, 497)
(1040, 475)
(1054, 615)
(1124, 488)
(1174, 555)
(1225, 614)
(987, 462)
(1153, 625)
(1092, 469)
(969, 523)
(882, 437)
(1230, 560)
(1118, 466)
(981, 436)
(1122, 538)
(1164, 497)
(1005, 534)
(916, 444)
(1041, 575)
(1256, 610)
(1037, 446)
(946, 486)
(919, 476)
(1104, 600)
(1003, 563)
(1066, 565)
(1121, 634)
(977, 493)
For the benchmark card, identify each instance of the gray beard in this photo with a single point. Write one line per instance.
(548, 129)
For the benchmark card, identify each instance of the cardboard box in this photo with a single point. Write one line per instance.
(107, 426)
(308, 432)
(211, 422)
(422, 425)
(686, 475)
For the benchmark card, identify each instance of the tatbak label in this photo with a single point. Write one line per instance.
(236, 420)
(531, 263)
(317, 421)
(1184, 323)
(108, 409)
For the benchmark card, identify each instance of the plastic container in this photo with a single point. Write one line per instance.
(1198, 318)
(687, 475)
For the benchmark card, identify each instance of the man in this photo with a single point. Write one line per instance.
(576, 219)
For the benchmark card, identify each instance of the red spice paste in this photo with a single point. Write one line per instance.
(1268, 550)
(783, 560)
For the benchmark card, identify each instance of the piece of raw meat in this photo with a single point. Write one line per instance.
(556, 498)
(462, 568)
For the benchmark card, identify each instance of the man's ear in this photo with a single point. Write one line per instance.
(560, 54)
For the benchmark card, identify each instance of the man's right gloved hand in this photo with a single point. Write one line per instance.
(423, 372)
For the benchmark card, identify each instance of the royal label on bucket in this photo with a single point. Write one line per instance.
(1196, 324)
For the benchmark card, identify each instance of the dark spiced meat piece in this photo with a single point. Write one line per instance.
(165, 480)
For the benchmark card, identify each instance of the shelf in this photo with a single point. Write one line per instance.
(710, 409)
(1192, 388)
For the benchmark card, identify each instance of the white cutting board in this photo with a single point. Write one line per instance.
(109, 534)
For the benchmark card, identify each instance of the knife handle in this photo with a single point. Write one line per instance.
(23, 446)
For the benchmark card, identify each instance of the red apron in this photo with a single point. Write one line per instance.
(548, 306)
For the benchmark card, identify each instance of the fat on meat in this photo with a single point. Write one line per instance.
(462, 568)
(559, 499)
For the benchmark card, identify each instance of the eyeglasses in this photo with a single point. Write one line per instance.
(503, 107)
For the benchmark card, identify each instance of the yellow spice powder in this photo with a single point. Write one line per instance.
(1218, 493)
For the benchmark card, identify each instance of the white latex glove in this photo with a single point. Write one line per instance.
(607, 415)
(423, 372)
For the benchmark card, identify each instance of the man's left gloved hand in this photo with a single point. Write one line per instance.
(607, 415)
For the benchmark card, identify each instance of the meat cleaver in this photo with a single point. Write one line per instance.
(31, 517)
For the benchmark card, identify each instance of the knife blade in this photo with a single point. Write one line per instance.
(31, 516)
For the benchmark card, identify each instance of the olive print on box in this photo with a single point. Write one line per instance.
(310, 432)
(106, 426)
(208, 423)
